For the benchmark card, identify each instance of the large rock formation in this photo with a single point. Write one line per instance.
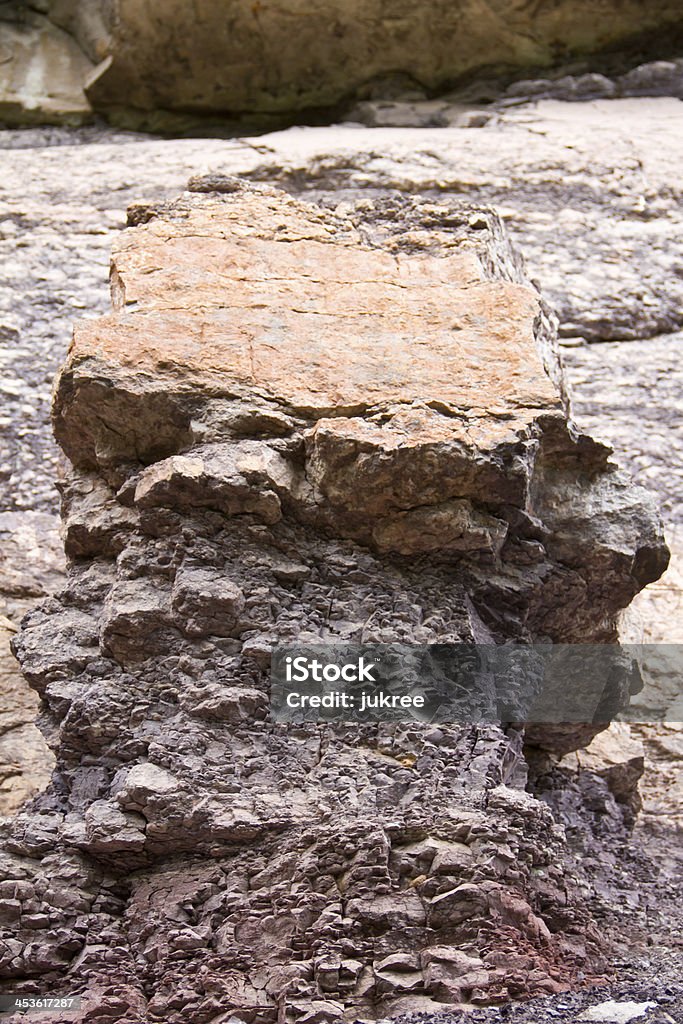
(143, 63)
(289, 57)
(299, 425)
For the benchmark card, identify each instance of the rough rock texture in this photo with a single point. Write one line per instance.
(589, 193)
(656, 78)
(598, 223)
(25, 761)
(454, 440)
(141, 63)
(191, 857)
(62, 197)
(288, 57)
(31, 567)
(481, 102)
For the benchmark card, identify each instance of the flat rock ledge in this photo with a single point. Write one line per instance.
(304, 425)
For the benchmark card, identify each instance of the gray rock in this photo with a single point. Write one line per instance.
(206, 827)
(205, 603)
(380, 860)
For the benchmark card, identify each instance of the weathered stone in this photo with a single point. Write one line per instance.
(32, 561)
(25, 759)
(457, 905)
(108, 831)
(395, 49)
(569, 231)
(450, 975)
(451, 858)
(135, 609)
(97, 524)
(31, 566)
(617, 757)
(449, 526)
(232, 479)
(143, 782)
(205, 603)
(624, 391)
(236, 62)
(466, 412)
(43, 71)
(189, 825)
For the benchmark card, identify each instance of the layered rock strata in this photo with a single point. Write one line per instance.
(298, 425)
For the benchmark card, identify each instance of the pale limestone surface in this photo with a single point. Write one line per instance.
(42, 73)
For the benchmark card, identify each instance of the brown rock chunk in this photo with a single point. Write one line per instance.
(457, 905)
(236, 480)
(450, 973)
(205, 603)
(135, 610)
(397, 385)
(313, 320)
(96, 523)
(144, 783)
(398, 973)
(450, 526)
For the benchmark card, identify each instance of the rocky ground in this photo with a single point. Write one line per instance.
(590, 192)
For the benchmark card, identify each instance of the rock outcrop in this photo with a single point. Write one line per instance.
(301, 425)
(144, 65)
(290, 57)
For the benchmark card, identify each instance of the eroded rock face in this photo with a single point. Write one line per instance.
(293, 56)
(388, 379)
(303, 426)
(163, 69)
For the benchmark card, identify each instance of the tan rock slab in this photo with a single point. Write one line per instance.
(261, 294)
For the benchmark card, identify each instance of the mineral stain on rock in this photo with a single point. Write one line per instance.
(303, 426)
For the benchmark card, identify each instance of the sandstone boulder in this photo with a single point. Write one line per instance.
(161, 68)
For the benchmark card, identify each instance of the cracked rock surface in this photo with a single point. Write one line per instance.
(62, 201)
(238, 481)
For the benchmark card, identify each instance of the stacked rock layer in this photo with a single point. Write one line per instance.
(299, 425)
